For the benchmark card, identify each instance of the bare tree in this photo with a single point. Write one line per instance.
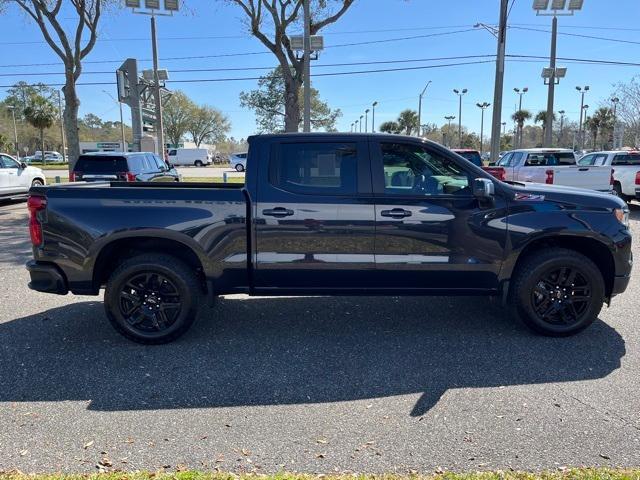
(72, 47)
(628, 110)
(278, 16)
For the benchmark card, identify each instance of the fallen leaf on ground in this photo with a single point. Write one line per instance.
(87, 445)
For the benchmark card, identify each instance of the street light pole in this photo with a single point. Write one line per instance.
(499, 81)
(585, 108)
(64, 146)
(366, 120)
(460, 93)
(561, 112)
(307, 66)
(520, 94)
(582, 91)
(373, 117)
(420, 105)
(15, 130)
(548, 131)
(361, 116)
(615, 101)
(356, 126)
(449, 118)
(482, 106)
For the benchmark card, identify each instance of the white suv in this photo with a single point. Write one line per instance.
(17, 178)
(238, 161)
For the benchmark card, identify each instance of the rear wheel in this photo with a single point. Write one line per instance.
(239, 168)
(617, 188)
(152, 298)
(557, 292)
(198, 163)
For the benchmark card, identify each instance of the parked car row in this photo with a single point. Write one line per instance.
(50, 156)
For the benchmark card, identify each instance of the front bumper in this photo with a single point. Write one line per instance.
(46, 277)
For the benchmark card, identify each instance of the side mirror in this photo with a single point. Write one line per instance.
(23, 165)
(483, 188)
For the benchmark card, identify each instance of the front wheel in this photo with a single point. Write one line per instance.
(152, 298)
(37, 182)
(198, 163)
(239, 168)
(557, 292)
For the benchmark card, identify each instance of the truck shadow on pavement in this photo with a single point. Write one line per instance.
(275, 351)
(14, 233)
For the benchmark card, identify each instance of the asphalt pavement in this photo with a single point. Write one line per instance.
(311, 384)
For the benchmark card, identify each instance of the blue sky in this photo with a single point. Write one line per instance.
(123, 34)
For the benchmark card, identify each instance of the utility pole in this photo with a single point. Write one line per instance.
(373, 117)
(499, 82)
(307, 66)
(420, 105)
(15, 130)
(482, 106)
(548, 131)
(64, 143)
(156, 89)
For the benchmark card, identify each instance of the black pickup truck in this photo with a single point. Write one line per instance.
(332, 214)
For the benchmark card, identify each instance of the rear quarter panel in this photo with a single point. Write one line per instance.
(80, 222)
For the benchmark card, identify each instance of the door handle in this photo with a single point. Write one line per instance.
(277, 212)
(583, 169)
(395, 213)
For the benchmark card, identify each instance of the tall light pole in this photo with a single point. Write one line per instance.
(551, 73)
(373, 117)
(561, 112)
(585, 109)
(499, 81)
(64, 143)
(460, 93)
(351, 127)
(124, 142)
(307, 65)
(582, 91)
(504, 128)
(361, 117)
(449, 118)
(520, 93)
(482, 106)
(356, 126)
(420, 104)
(15, 130)
(366, 120)
(615, 101)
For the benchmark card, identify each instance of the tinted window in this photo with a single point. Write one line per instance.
(550, 159)
(159, 163)
(315, 168)
(7, 162)
(173, 153)
(411, 170)
(504, 161)
(473, 157)
(97, 164)
(626, 159)
(136, 164)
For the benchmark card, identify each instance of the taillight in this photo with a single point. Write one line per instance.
(549, 179)
(502, 174)
(130, 176)
(35, 204)
(611, 181)
(637, 178)
(74, 176)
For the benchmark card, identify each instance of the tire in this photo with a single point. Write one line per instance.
(198, 163)
(543, 298)
(617, 188)
(239, 168)
(152, 298)
(37, 182)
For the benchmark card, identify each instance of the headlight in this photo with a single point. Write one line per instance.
(622, 215)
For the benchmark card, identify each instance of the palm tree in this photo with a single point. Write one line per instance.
(541, 117)
(408, 121)
(41, 114)
(520, 117)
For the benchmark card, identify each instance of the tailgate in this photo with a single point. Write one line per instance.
(592, 177)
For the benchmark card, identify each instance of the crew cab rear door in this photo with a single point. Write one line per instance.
(314, 215)
(431, 231)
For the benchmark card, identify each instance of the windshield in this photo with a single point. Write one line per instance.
(95, 164)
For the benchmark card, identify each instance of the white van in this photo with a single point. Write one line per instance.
(197, 157)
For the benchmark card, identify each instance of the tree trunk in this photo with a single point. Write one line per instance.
(291, 103)
(71, 106)
(42, 145)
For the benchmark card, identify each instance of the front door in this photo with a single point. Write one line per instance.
(12, 178)
(431, 232)
(314, 219)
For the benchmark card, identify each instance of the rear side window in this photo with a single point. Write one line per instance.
(626, 159)
(473, 157)
(97, 164)
(550, 159)
(315, 168)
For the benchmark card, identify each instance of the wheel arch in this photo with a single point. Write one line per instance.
(595, 250)
(116, 251)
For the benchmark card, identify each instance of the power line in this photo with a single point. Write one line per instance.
(592, 37)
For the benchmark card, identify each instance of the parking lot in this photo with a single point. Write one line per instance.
(311, 384)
